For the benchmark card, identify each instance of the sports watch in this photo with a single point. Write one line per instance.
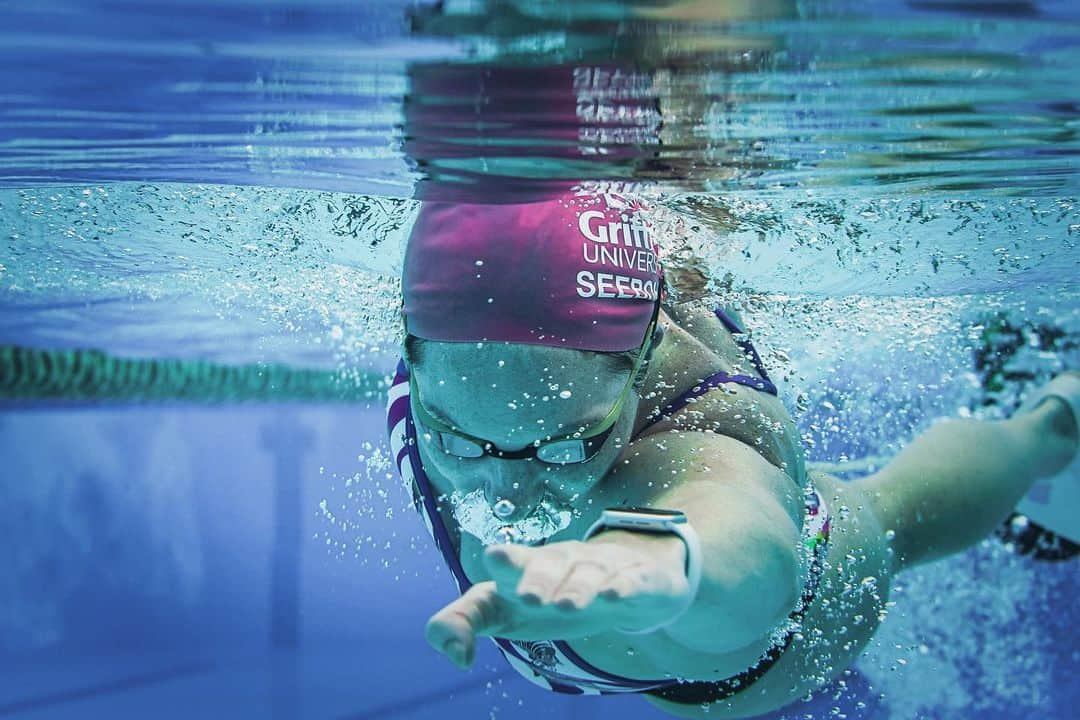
(643, 519)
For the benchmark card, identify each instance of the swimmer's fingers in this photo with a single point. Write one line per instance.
(572, 575)
(567, 575)
(565, 590)
(528, 575)
(453, 630)
(583, 588)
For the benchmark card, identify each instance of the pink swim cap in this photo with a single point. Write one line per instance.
(576, 271)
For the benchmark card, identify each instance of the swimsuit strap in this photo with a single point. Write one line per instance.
(762, 383)
(407, 456)
(740, 337)
(710, 383)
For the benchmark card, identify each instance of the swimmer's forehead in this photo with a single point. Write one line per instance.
(501, 390)
(516, 357)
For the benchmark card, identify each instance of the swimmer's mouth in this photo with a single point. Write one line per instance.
(481, 520)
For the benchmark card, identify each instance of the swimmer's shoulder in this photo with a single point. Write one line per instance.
(696, 345)
(699, 320)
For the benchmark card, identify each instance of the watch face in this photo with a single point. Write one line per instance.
(673, 515)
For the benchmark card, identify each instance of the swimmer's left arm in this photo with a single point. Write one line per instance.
(744, 510)
(629, 579)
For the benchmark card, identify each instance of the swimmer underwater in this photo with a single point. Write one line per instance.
(622, 496)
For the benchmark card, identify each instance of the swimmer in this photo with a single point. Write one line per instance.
(619, 491)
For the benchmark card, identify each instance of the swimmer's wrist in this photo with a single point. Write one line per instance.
(667, 536)
(668, 550)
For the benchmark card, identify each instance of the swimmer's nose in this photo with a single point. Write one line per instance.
(509, 503)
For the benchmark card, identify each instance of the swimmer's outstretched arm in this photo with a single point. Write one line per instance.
(741, 507)
(746, 512)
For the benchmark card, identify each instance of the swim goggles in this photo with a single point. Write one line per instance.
(578, 447)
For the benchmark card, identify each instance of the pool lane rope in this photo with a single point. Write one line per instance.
(92, 375)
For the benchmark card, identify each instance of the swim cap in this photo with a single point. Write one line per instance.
(575, 271)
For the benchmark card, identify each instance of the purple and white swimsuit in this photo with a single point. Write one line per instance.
(553, 664)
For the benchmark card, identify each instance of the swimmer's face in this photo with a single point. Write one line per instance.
(512, 396)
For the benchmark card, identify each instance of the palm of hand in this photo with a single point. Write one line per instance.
(563, 590)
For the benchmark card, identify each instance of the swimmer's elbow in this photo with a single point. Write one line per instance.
(763, 593)
(747, 590)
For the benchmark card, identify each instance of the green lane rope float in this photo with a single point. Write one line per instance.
(92, 375)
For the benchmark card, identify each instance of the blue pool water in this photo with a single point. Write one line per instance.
(197, 197)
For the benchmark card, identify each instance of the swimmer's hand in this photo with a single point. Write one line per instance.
(566, 590)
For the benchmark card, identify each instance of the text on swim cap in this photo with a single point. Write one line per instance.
(610, 285)
(640, 260)
(633, 234)
(636, 253)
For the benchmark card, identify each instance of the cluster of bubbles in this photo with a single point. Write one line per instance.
(477, 517)
(230, 273)
(359, 508)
